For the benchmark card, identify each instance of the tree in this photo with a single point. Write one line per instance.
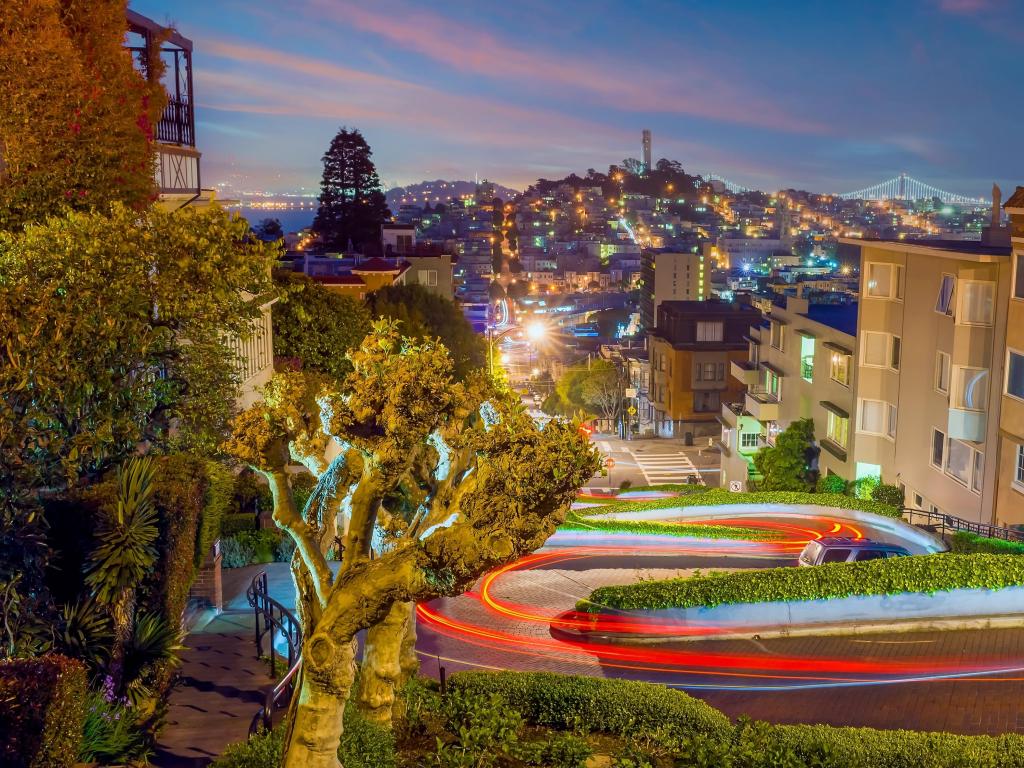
(269, 230)
(426, 315)
(441, 480)
(76, 128)
(108, 343)
(789, 465)
(352, 205)
(316, 326)
(601, 390)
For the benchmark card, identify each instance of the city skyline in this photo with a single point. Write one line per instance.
(764, 96)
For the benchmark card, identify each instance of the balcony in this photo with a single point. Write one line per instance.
(966, 425)
(745, 372)
(763, 406)
(731, 413)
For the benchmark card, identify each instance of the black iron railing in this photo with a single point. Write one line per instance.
(942, 524)
(275, 620)
(177, 123)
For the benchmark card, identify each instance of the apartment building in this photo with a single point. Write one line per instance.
(801, 363)
(1009, 488)
(670, 276)
(690, 355)
(930, 370)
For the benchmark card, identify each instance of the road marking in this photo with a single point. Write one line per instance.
(603, 446)
(660, 468)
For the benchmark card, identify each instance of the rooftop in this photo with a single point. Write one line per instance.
(842, 317)
(964, 247)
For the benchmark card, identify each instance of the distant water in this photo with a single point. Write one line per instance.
(292, 219)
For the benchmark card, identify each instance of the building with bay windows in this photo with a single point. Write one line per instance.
(801, 363)
(930, 358)
(1009, 488)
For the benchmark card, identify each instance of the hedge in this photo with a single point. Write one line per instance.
(713, 497)
(654, 713)
(612, 706)
(693, 530)
(965, 542)
(42, 711)
(218, 503)
(922, 573)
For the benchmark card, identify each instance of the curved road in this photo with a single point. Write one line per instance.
(969, 681)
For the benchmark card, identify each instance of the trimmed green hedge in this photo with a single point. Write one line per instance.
(922, 573)
(692, 530)
(712, 497)
(42, 711)
(612, 706)
(968, 543)
(696, 734)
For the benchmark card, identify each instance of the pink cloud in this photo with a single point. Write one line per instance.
(693, 89)
(965, 7)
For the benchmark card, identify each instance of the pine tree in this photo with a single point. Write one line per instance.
(352, 205)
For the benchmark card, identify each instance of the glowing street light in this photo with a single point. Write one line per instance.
(536, 331)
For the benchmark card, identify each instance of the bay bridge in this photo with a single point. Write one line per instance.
(904, 187)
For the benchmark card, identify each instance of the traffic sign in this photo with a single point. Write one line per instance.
(609, 462)
(631, 410)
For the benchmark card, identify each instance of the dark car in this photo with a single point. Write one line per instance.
(839, 549)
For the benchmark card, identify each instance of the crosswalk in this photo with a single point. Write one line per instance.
(666, 467)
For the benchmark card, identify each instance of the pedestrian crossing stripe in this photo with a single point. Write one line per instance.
(666, 467)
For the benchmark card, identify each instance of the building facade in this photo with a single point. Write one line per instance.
(670, 276)
(930, 369)
(801, 364)
(690, 355)
(1009, 490)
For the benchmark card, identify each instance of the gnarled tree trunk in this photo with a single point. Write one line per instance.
(314, 733)
(381, 671)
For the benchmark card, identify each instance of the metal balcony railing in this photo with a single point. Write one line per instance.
(942, 524)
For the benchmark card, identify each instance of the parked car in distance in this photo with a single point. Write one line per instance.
(840, 549)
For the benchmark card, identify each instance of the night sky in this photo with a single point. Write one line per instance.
(827, 96)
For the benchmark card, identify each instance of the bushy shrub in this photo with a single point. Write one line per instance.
(42, 711)
(965, 542)
(863, 487)
(235, 552)
(251, 548)
(261, 751)
(237, 522)
(922, 573)
(831, 484)
(303, 486)
(111, 734)
(612, 706)
(485, 728)
(284, 549)
(892, 495)
(217, 505)
(574, 522)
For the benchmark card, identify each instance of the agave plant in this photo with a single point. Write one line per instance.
(125, 552)
(149, 655)
(86, 633)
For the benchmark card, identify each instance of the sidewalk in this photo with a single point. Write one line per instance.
(222, 688)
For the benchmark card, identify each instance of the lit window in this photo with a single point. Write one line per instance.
(838, 429)
(839, 368)
(944, 303)
(977, 303)
(1015, 374)
(942, 372)
(970, 388)
(806, 358)
(748, 439)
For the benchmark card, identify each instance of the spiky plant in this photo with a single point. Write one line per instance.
(125, 551)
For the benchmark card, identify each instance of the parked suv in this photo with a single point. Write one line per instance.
(838, 549)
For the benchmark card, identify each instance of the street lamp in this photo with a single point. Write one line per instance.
(535, 331)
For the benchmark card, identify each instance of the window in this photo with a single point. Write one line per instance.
(806, 358)
(919, 501)
(875, 349)
(427, 277)
(970, 388)
(884, 281)
(839, 368)
(942, 372)
(1015, 374)
(707, 372)
(771, 383)
(1018, 476)
(870, 554)
(838, 429)
(895, 351)
(944, 303)
(938, 448)
(958, 461)
(977, 303)
(709, 331)
(873, 417)
(1018, 276)
(748, 439)
(891, 431)
(978, 475)
(835, 556)
(777, 335)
